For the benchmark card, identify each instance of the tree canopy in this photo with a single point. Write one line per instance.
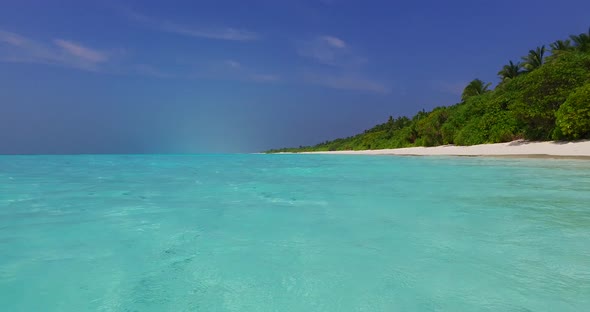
(474, 88)
(534, 59)
(550, 99)
(510, 71)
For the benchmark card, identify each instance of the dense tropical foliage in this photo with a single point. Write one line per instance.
(510, 71)
(534, 59)
(573, 116)
(543, 98)
(474, 88)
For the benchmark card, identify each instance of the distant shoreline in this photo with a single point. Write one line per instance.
(520, 148)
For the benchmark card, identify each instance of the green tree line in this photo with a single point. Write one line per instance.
(545, 96)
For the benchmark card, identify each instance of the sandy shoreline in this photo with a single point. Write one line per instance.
(550, 149)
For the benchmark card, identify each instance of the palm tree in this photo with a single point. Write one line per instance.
(582, 41)
(561, 46)
(475, 87)
(535, 59)
(510, 71)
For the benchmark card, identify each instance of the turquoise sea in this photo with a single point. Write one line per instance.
(293, 233)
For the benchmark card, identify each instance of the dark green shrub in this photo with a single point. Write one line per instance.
(539, 94)
(573, 117)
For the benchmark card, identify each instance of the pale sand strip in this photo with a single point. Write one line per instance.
(579, 149)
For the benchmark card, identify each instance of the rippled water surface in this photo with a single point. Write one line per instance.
(293, 233)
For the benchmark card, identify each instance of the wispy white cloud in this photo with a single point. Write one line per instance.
(231, 69)
(220, 33)
(81, 52)
(265, 77)
(150, 71)
(19, 49)
(12, 38)
(344, 65)
(329, 50)
(348, 81)
(233, 64)
(16, 48)
(320, 50)
(334, 42)
(225, 33)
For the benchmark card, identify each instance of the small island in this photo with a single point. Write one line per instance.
(544, 97)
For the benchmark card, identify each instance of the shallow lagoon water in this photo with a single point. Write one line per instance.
(293, 233)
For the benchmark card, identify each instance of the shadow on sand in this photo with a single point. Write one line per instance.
(525, 142)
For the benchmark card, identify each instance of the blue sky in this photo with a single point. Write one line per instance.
(244, 76)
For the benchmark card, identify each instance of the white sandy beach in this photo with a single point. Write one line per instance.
(519, 148)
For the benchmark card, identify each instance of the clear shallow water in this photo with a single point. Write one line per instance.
(293, 233)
